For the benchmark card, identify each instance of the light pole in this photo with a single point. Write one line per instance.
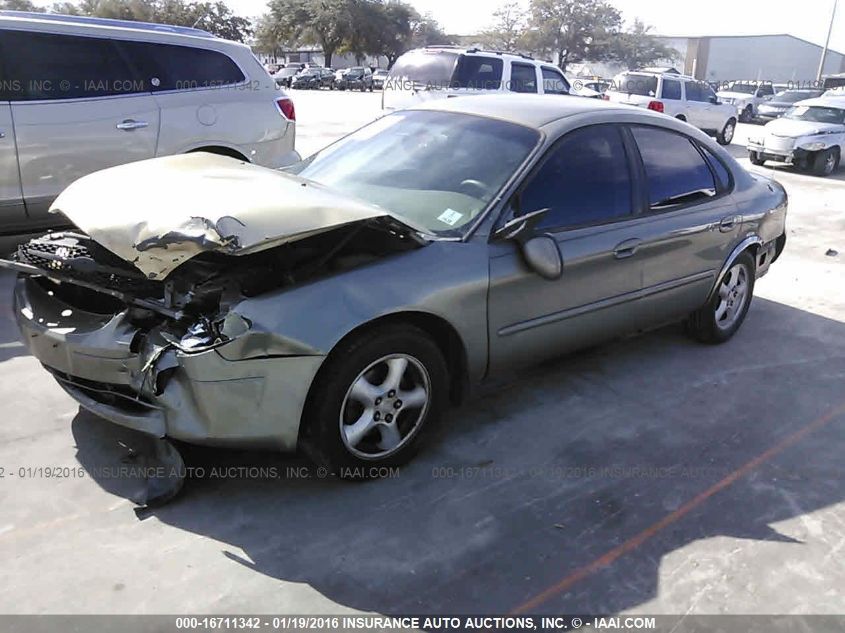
(826, 42)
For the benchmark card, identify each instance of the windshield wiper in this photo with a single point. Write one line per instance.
(689, 196)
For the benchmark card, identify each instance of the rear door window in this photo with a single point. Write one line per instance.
(554, 83)
(523, 78)
(170, 67)
(671, 89)
(676, 172)
(47, 66)
(478, 73)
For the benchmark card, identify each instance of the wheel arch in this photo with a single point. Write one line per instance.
(220, 150)
(444, 334)
(752, 244)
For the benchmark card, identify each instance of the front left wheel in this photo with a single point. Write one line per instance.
(374, 401)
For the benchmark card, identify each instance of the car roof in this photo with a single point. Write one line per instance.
(529, 110)
(80, 22)
(479, 52)
(657, 73)
(827, 102)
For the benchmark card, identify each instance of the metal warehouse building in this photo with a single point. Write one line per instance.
(778, 58)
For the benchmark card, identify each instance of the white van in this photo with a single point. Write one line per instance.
(438, 72)
(81, 94)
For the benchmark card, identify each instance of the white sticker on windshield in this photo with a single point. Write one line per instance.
(450, 217)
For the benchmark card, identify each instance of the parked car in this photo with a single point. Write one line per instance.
(314, 78)
(682, 97)
(438, 72)
(78, 105)
(810, 135)
(747, 96)
(379, 77)
(339, 307)
(357, 78)
(284, 77)
(782, 101)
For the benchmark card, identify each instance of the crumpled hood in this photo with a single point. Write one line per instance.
(159, 213)
(793, 128)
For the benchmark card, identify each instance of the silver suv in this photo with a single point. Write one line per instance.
(82, 94)
(679, 96)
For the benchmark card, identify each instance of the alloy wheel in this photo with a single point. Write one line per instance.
(385, 406)
(733, 295)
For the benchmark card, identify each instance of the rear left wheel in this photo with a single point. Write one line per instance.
(727, 134)
(374, 400)
(723, 315)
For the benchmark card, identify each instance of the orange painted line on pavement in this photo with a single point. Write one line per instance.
(631, 544)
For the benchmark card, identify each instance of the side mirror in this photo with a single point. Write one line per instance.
(540, 252)
(542, 255)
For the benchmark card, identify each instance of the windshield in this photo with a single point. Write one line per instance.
(791, 96)
(437, 170)
(744, 88)
(429, 68)
(354, 72)
(634, 84)
(816, 114)
(287, 72)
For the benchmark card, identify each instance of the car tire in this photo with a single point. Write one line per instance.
(826, 162)
(747, 114)
(756, 159)
(381, 365)
(719, 319)
(727, 134)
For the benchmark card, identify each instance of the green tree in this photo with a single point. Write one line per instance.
(322, 22)
(507, 33)
(19, 5)
(425, 31)
(637, 47)
(573, 30)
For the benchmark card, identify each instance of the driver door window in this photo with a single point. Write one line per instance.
(583, 180)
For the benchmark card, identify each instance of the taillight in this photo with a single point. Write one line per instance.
(605, 98)
(657, 106)
(286, 107)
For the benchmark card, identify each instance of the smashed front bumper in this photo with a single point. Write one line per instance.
(220, 396)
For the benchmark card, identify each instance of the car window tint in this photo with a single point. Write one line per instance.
(169, 67)
(523, 78)
(584, 180)
(44, 66)
(671, 89)
(675, 170)
(554, 83)
(478, 73)
(722, 175)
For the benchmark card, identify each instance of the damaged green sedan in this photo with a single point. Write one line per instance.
(340, 306)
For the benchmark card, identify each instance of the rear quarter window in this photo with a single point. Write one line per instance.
(172, 67)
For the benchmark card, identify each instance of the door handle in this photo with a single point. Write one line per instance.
(627, 248)
(131, 124)
(729, 224)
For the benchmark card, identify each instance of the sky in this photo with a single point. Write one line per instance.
(807, 19)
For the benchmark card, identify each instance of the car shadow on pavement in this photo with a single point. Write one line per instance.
(563, 491)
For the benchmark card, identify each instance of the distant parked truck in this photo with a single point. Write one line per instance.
(89, 93)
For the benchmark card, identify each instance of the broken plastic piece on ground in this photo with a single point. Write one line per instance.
(166, 472)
